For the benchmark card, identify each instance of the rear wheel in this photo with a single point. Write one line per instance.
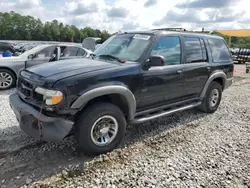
(7, 79)
(100, 128)
(212, 99)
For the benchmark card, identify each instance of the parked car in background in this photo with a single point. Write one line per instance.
(10, 66)
(25, 47)
(18, 45)
(6, 46)
(134, 77)
(90, 43)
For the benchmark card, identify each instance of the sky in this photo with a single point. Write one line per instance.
(127, 15)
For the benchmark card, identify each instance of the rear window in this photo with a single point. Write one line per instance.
(219, 50)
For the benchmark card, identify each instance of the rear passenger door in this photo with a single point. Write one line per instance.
(196, 68)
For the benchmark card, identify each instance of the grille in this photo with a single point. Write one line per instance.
(25, 87)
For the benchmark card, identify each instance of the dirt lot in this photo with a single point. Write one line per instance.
(188, 149)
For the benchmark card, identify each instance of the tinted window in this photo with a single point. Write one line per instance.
(69, 51)
(46, 52)
(219, 50)
(81, 52)
(169, 48)
(193, 50)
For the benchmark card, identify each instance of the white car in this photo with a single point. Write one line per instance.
(11, 66)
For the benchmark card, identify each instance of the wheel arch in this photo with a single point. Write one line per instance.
(11, 70)
(218, 76)
(119, 95)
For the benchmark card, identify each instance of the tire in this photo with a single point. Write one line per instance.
(247, 70)
(87, 126)
(208, 105)
(7, 79)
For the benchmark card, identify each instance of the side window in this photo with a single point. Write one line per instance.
(168, 47)
(193, 50)
(219, 50)
(69, 51)
(46, 52)
(81, 52)
(204, 50)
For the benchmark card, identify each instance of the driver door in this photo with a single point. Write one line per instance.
(163, 84)
(43, 56)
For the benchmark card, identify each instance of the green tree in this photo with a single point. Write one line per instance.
(14, 26)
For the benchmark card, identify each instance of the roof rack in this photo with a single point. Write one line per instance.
(170, 29)
(182, 30)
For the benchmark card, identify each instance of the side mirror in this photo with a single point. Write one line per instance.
(31, 56)
(156, 61)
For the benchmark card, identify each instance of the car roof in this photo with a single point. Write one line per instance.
(180, 33)
(57, 44)
(75, 45)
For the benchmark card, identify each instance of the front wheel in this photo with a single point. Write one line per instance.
(7, 79)
(100, 128)
(212, 99)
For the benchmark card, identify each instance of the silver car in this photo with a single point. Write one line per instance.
(11, 66)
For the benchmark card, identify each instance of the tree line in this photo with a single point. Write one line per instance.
(236, 42)
(14, 26)
(240, 42)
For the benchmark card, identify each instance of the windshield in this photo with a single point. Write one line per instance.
(128, 47)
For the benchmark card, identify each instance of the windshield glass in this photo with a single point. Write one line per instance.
(128, 47)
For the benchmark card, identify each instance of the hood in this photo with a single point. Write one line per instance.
(71, 67)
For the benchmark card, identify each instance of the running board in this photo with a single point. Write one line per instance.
(164, 113)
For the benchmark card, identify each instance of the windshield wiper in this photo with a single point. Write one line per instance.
(111, 57)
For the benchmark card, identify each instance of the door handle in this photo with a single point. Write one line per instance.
(179, 71)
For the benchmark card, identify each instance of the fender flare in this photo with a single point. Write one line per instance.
(105, 90)
(213, 76)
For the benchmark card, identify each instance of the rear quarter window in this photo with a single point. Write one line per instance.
(220, 52)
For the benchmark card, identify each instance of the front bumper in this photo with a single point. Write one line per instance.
(53, 128)
(228, 83)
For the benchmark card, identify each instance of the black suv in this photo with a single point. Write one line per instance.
(133, 78)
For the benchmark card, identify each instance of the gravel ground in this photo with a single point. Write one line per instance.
(187, 149)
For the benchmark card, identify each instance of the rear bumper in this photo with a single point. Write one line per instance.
(53, 128)
(228, 83)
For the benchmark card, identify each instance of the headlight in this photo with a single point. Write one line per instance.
(51, 97)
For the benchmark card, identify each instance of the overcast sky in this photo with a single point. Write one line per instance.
(126, 15)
